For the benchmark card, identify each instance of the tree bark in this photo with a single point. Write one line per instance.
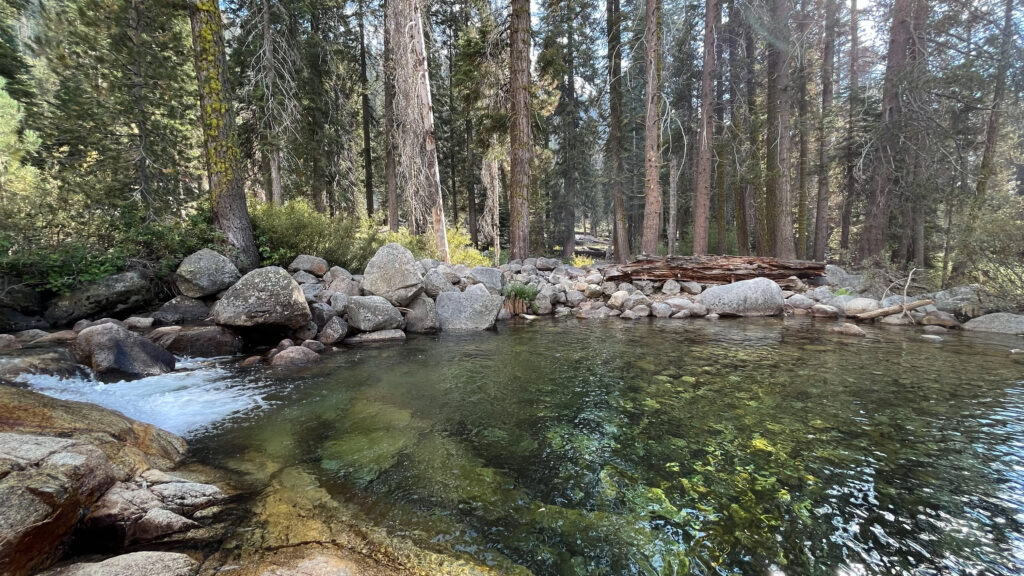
(652, 119)
(135, 27)
(778, 193)
(364, 82)
(673, 204)
(567, 214)
(851, 133)
(994, 117)
(620, 241)
(755, 180)
(803, 120)
(702, 183)
(227, 196)
(717, 269)
(318, 116)
(889, 161)
(273, 154)
(520, 131)
(828, 61)
(739, 197)
(390, 180)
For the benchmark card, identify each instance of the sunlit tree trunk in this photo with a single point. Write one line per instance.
(620, 233)
(777, 189)
(520, 133)
(828, 60)
(652, 119)
(227, 196)
(364, 84)
(705, 136)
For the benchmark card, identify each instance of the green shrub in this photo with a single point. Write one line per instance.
(519, 290)
(282, 232)
(295, 227)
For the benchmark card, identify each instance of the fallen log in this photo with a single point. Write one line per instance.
(890, 310)
(715, 269)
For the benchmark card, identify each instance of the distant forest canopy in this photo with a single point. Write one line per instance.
(889, 133)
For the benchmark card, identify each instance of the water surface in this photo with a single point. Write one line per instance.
(661, 447)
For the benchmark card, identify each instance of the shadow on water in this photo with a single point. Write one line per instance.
(731, 447)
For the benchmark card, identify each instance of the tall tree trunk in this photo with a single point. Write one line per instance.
(269, 73)
(620, 241)
(452, 160)
(421, 77)
(778, 193)
(755, 178)
(702, 184)
(520, 131)
(364, 82)
(652, 119)
(992, 131)
(318, 116)
(889, 161)
(567, 216)
(803, 121)
(390, 180)
(721, 196)
(227, 196)
(138, 75)
(673, 204)
(828, 62)
(851, 132)
(739, 199)
(474, 232)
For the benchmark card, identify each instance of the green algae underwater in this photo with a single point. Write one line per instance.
(756, 446)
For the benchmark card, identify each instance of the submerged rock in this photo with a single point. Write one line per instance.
(109, 348)
(376, 337)
(755, 297)
(265, 296)
(205, 273)
(294, 355)
(134, 564)
(848, 329)
(468, 310)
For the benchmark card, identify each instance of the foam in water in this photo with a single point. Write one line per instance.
(183, 402)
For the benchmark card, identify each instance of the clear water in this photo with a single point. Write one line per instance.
(663, 447)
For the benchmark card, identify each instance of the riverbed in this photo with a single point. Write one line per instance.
(753, 446)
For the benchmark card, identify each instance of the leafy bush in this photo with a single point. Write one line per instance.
(519, 290)
(282, 232)
(295, 227)
(581, 261)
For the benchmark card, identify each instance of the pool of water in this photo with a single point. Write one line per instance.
(660, 447)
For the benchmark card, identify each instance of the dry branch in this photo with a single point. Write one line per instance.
(890, 310)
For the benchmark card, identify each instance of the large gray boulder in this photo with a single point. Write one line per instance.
(422, 316)
(109, 348)
(967, 301)
(205, 273)
(46, 485)
(113, 295)
(434, 283)
(1001, 322)
(265, 296)
(133, 564)
(372, 313)
(490, 278)
(462, 311)
(393, 274)
(756, 297)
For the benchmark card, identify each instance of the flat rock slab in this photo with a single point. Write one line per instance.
(134, 564)
(376, 337)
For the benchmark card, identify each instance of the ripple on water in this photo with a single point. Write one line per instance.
(200, 394)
